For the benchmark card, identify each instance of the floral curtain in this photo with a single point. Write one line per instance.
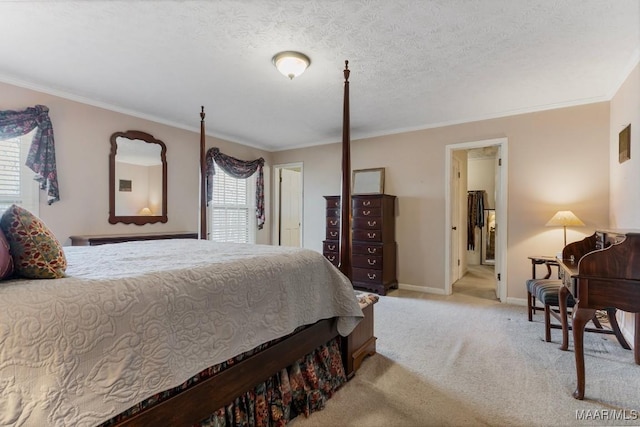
(238, 169)
(42, 155)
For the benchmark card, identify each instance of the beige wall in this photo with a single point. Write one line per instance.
(82, 135)
(625, 110)
(557, 160)
(625, 198)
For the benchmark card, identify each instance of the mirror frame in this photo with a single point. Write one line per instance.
(367, 181)
(139, 219)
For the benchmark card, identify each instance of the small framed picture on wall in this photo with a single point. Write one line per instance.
(125, 185)
(624, 144)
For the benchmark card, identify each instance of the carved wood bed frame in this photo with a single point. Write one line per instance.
(198, 402)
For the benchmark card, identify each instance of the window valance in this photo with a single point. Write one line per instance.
(238, 169)
(42, 155)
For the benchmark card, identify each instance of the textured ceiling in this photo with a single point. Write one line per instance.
(414, 64)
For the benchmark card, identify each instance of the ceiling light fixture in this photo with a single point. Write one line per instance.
(291, 64)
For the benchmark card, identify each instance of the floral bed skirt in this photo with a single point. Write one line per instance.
(301, 388)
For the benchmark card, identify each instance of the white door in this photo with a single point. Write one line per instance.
(501, 212)
(290, 207)
(455, 221)
(499, 221)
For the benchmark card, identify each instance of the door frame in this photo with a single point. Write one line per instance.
(454, 218)
(501, 212)
(276, 208)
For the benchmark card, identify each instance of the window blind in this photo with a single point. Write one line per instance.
(230, 209)
(16, 180)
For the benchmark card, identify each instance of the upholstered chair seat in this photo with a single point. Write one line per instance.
(546, 291)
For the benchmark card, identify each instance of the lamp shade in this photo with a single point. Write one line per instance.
(291, 64)
(565, 219)
(145, 212)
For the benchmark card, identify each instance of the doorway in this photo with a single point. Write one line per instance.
(288, 207)
(472, 245)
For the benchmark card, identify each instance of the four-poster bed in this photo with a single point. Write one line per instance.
(131, 315)
(219, 390)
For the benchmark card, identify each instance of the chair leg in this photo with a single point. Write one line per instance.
(547, 323)
(596, 322)
(529, 306)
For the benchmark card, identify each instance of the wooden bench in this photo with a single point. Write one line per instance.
(361, 342)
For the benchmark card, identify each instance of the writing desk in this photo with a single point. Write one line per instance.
(601, 275)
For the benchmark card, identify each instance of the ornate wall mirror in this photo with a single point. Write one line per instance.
(137, 179)
(368, 181)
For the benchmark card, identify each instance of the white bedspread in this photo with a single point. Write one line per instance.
(133, 319)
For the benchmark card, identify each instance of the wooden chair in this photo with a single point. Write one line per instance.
(546, 291)
(548, 262)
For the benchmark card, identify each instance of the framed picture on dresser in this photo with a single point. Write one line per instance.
(368, 181)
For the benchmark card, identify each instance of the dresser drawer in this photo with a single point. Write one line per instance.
(333, 213)
(364, 249)
(367, 212)
(363, 202)
(367, 235)
(367, 261)
(333, 233)
(373, 223)
(367, 275)
(333, 201)
(333, 222)
(330, 246)
(332, 257)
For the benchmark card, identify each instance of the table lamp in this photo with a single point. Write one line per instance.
(565, 218)
(145, 212)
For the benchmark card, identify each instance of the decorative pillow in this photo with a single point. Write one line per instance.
(6, 260)
(37, 254)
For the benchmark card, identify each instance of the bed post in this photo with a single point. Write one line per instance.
(203, 179)
(345, 200)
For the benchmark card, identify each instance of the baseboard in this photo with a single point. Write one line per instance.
(516, 301)
(423, 289)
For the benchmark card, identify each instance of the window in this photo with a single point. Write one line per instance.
(17, 183)
(232, 211)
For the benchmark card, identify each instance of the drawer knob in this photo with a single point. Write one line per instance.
(333, 222)
(331, 247)
(365, 213)
(331, 258)
(372, 250)
(333, 233)
(372, 223)
(366, 202)
(371, 276)
(371, 235)
(371, 261)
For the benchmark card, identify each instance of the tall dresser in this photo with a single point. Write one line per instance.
(373, 248)
(330, 247)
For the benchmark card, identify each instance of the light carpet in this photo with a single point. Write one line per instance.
(468, 360)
